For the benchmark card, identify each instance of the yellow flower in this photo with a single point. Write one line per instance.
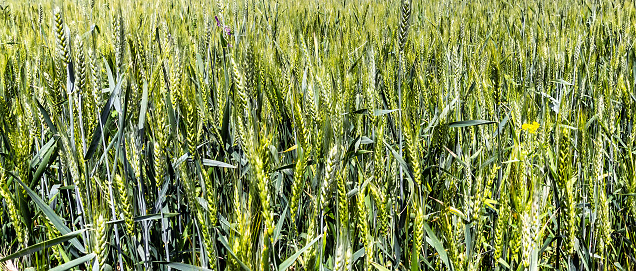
(531, 128)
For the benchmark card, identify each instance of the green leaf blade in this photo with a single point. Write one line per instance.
(469, 123)
(43, 245)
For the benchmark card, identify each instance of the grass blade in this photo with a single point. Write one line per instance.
(227, 246)
(155, 216)
(379, 267)
(184, 267)
(44, 158)
(468, 123)
(53, 217)
(74, 263)
(287, 263)
(432, 239)
(214, 163)
(43, 245)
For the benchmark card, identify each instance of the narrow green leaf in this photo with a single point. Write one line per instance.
(431, 238)
(223, 40)
(400, 161)
(365, 140)
(469, 239)
(48, 156)
(279, 225)
(226, 223)
(358, 254)
(502, 124)
(109, 73)
(227, 246)
(504, 263)
(468, 123)
(35, 161)
(144, 107)
(447, 109)
(563, 82)
(380, 112)
(53, 217)
(292, 165)
(415, 259)
(287, 263)
(171, 114)
(379, 267)
(104, 118)
(155, 216)
(184, 267)
(214, 163)
(618, 265)
(359, 112)
(90, 31)
(46, 116)
(43, 245)
(74, 263)
(225, 124)
(180, 160)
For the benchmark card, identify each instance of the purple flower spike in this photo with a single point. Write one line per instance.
(217, 21)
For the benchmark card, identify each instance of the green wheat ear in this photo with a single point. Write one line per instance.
(101, 241)
(11, 208)
(502, 223)
(60, 36)
(126, 205)
(364, 90)
(298, 182)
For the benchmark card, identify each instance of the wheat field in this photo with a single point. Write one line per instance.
(317, 135)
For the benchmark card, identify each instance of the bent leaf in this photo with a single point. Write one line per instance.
(43, 245)
(468, 123)
(214, 163)
(379, 267)
(287, 263)
(53, 217)
(437, 244)
(74, 263)
(184, 267)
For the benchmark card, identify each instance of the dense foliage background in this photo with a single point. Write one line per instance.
(317, 135)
